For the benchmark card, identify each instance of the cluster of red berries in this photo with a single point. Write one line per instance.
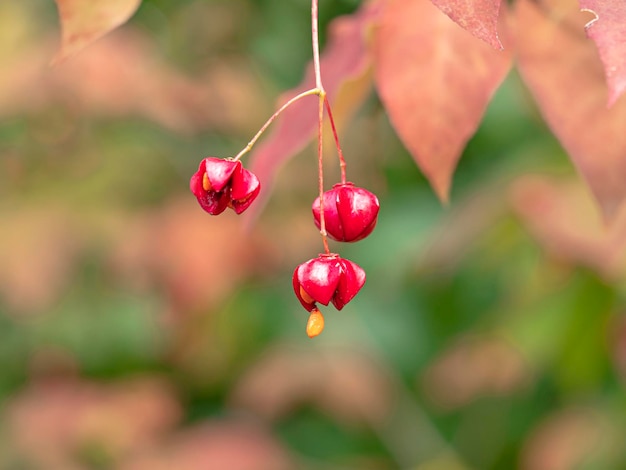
(350, 214)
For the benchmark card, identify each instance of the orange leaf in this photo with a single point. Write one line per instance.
(563, 71)
(84, 21)
(435, 80)
(345, 61)
(479, 17)
(608, 30)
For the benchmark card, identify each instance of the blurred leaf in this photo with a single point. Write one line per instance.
(192, 257)
(479, 17)
(475, 367)
(425, 66)
(349, 386)
(571, 92)
(227, 444)
(609, 34)
(84, 21)
(38, 248)
(561, 215)
(120, 76)
(53, 422)
(571, 438)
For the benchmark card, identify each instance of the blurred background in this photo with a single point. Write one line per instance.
(138, 332)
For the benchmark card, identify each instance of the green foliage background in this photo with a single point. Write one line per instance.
(493, 352)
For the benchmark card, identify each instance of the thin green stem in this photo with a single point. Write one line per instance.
(247, 148)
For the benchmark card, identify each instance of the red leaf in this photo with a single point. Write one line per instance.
(608, 30)
(563, 71)
(84, 21)
(479, 17)
(344, 62)
(435, 81)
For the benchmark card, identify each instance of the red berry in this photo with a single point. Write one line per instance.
(327, 278)
(245, 188)
(350, 212)
(221, 183)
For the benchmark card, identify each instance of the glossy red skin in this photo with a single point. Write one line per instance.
(350, 212)
(245, 188)
(328, 278)
(231, 186)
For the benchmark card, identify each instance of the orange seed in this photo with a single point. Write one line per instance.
(315, 324)
(306, 297)
(206, 183)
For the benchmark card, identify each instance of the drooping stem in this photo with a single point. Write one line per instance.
(342, 162)
(247, 148)
(320, 127)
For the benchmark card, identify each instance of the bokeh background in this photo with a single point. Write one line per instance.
(138, 332)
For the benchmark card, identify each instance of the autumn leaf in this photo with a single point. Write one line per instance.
(52, 421)
(572, 438)
(124, 75)
(562, 69)
(475, 366)
(235, 444)
(608, 30)
(345, 65)
(162, 248)
(479, 17)
(562, 217)
(84, 21)
(351, 386)
(38, 248)
(435, 81)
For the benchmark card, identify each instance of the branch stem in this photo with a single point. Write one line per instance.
(316, 45)
(247, 148)
(320, 116)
